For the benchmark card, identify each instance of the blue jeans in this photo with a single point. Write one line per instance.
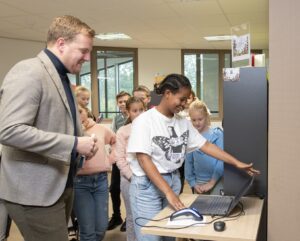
(147, 201)
(91, 205)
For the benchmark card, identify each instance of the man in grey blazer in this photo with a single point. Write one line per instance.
(40, 131)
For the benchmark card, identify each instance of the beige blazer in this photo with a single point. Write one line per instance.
(37, 133)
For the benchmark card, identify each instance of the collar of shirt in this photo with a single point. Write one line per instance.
(61, 69)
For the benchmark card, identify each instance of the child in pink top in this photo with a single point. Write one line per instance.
(101, 162)
(134, 107)
(91, 185)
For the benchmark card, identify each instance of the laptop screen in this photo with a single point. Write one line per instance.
(244, 189)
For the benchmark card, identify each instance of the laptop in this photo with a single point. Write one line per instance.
(220, 205)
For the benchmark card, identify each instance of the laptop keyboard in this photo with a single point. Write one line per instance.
(212, 205)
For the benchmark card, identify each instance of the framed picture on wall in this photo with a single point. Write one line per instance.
(240, 46)
(231, 74)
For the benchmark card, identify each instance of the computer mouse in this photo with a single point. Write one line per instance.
(187, 212)
(219, 226)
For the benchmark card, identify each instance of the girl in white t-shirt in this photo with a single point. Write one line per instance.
(157, 145)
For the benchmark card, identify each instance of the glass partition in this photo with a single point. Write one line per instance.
(115, 73)
(203, 67)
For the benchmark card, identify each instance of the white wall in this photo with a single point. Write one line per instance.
(284, 125)
(150, 61)
(157, 61)
(12, 51)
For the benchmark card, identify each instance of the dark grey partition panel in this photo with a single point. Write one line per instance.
(246, 127)
(246, 132)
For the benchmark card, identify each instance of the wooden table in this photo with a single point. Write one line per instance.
(244, 228)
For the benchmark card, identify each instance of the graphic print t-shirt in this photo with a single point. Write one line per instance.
(165, 140)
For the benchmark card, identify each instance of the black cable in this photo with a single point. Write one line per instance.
(230, 218)
(235, 217)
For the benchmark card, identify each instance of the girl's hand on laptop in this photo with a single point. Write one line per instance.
(174, 201)
(248, 168)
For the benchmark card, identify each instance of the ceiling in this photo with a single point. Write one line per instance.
(151, 23)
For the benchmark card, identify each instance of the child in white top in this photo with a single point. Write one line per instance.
(134, 107)
(157, 145)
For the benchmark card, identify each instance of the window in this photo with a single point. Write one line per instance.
(83, 78)
(110, 71)
(115, 70)
(203, 68)
(72, 79)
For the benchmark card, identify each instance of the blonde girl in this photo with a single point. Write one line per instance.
(83, 99)
(204, 172)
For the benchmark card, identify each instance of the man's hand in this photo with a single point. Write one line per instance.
(86, 146)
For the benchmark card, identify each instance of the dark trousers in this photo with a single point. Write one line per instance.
(181, 172)
(8, 226)
(115, 190)
(38, 223)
